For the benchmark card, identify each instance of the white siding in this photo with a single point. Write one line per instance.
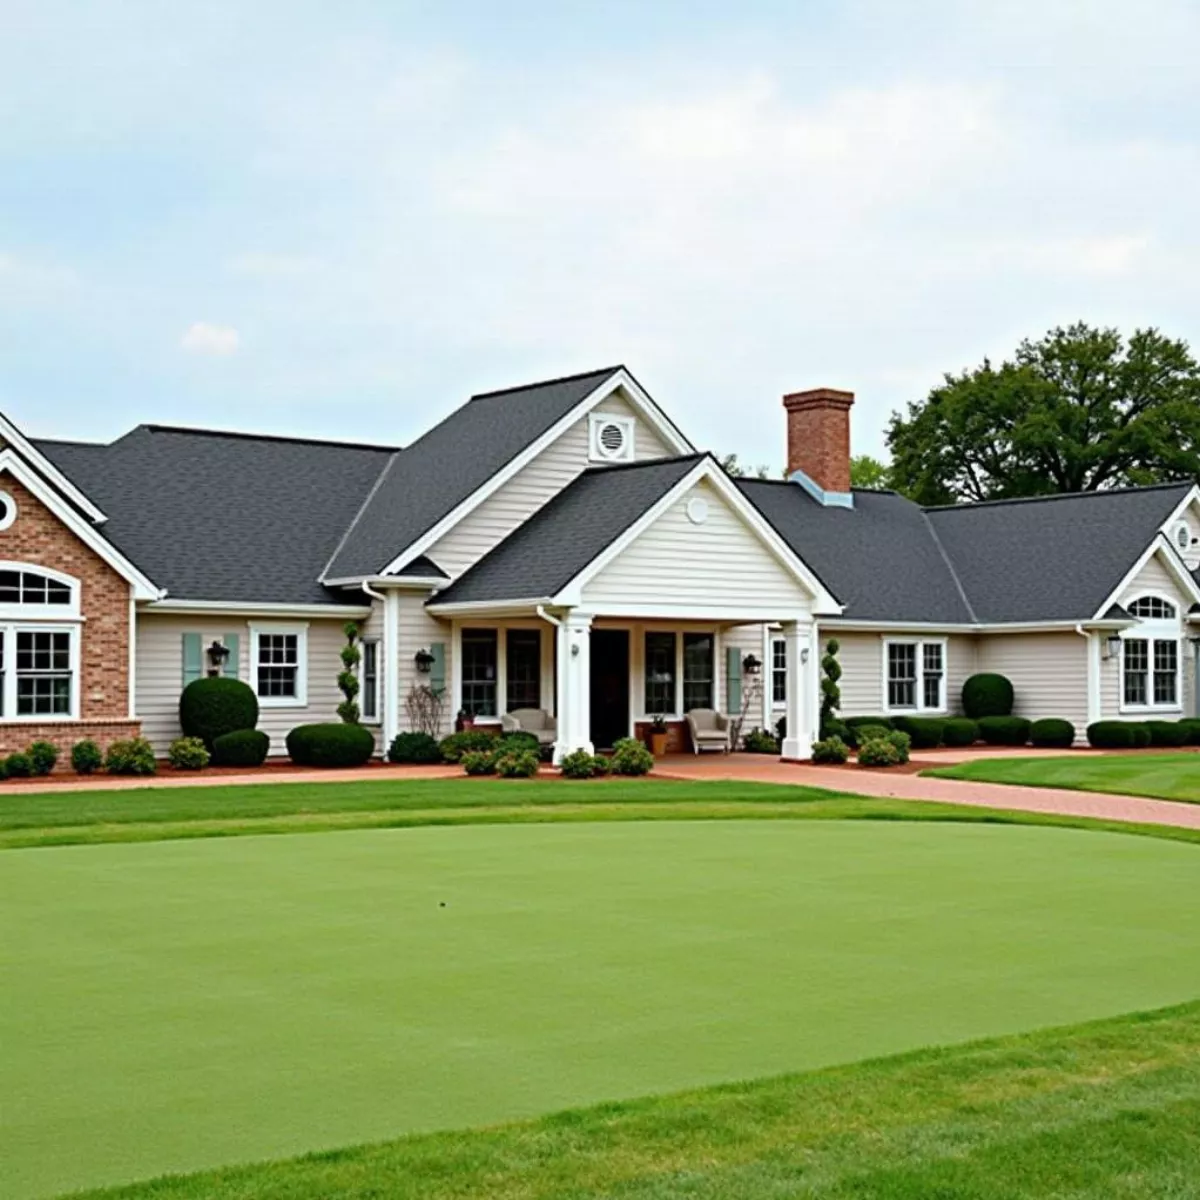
(1048, 672)
(160, 673)
(678, 564)
(419, 631)
(528, 491)
(1154, 578)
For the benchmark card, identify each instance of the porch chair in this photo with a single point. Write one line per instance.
(531, 720)
(709, 730)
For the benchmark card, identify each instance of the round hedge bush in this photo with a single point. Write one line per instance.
(1110, 735)
(517, 764)
(987, 695)
(880, 752)
(414, 747)
(1052, 731)
(211, 707)
(1004, 731)
(458, 744)
(330, 745)
(188, 754)
(17, 766)
(579, 764)
(478, 762)
(42, 757)
(924, 732)
(960, 731)
(630, 757)
(86, 757)
(860, 734)
(1167, 733)
(830, 750)
(241, 748)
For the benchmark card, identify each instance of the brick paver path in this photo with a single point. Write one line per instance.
(762, 768)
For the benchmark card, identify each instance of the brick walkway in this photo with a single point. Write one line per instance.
(762, 768)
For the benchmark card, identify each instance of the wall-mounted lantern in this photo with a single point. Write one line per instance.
(218, 652)
(751, 665)
(1112, 645)
(424, 661)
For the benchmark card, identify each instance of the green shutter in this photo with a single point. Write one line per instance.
(437, 673)
(193, 657)
(233, 664)
(733, 673)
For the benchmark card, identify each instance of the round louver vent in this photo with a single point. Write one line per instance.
(612, 439)
(1183, 535)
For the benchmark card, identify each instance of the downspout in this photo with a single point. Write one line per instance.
(1094, 713)
(390, 665)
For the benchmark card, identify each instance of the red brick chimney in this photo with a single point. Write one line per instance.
(818, 441)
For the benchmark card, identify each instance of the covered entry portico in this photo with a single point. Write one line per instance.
(637, 620)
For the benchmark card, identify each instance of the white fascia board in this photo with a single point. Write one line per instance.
(416, 582)
(707, 470)
(1174, 564)
(617, 380)
(28, 451)
(255, 609)
(982, 628)
(87, 533)
(1191, 498)
(490, 608)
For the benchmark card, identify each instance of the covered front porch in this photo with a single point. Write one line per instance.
(604, 677)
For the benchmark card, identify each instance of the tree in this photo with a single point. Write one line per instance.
(831, 694)
(868, 472)
(1079, 410)
(732, 467)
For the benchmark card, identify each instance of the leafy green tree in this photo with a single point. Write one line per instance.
(868, 472)
(1079, 410)
(734, 468)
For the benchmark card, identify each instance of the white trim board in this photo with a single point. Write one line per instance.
(28, 451)
(1172, 560)
(199, 608)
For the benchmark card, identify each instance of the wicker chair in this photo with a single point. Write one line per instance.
(709, 730)
(531, 720)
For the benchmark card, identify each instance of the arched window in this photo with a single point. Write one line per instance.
(39, 643)
(19, 586)
(1152, 608)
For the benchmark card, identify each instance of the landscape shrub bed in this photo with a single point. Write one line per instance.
(630, 757)
(987, 695)
(454, 746)
(1191, 728)
(478, 762)
(925, 733)
(414, 747)
(960, 731)
(241, 748)
(830, 750)
(889, 750)
(759, 741)
(210, 707)
(86, 757)
(1141, 734)
(330, 745)
(188, 754)
(130, 756)
(1052, 731)
(1167, 733)
(1110, 735)
(1004, 731)
(517, 764)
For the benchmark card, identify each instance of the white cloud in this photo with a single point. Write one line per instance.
(217, 340)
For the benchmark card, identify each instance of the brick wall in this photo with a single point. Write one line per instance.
(819, 436)
(38, 538)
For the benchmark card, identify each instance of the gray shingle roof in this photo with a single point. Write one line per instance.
(878, 558)
(440, 470)
(560, 539)
(1055, 558)
(215, 516)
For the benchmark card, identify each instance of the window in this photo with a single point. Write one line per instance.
(523, 674)
(1137, 664)
(43, 673)
(697, 671)
(1150, 672)
(279, 665)
(1152, 608)
(369, 680)
(39, 662)
(479, 668)
(29, 587)
(660, 673)
(778, 671)
(1166, 671)
(916, 676)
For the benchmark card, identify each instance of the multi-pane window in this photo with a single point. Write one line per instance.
(29, 587)
(1152, 608)
(43, 670)
(1166, 671)
(1151, 671)
(697, 671)
(660, 673)
(479, 670)
(523, 669)
(1137, 668)
(279, 666)
(916, 675)
(369, 672)
(779, 671)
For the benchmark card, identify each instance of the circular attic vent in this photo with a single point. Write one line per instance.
(611, 439)
(1183, 535)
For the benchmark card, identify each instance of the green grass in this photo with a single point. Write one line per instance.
(1159, 776)
(183, 1004)
(1108, 1111)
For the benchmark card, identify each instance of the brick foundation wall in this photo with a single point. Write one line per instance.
(17, 735)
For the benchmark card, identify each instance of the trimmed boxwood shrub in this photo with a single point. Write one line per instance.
(188, 754)
(516, 743)
(857, 722)
(414, 747)
(987, 695)
(879, 752)
(759, 741)
(478, 762)
(241, 748)
(830, 750)
(130, 756)
(579, 764)
(86, 757)
(1191, 727)
(1110, 735)
(517, 764)
(960, 731)
(330, 745)
(457, 744)
(630, 757)
(1141, 734)
(211, 707)
(17, 766)
(924, 732)
(1004, 731)
(42, 757)
(1052, 731)
(867, 733)
(1167, 733)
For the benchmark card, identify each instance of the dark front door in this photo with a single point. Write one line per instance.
(610, 686)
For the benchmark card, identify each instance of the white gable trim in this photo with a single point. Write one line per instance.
(618, 380)
(27, 450)
(1193, 497)
(824, 603)
(143, 589)
(1175, 565)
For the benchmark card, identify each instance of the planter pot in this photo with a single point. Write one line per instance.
(658, 744)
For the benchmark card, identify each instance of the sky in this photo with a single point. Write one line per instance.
(341, 219)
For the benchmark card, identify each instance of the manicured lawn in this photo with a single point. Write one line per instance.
(181, 1004)
(1160, 776)
(1101, 1112)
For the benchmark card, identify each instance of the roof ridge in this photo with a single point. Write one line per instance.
(529, 387)
(240, 435)
(362, 508)
(962, 591)
(969, 504)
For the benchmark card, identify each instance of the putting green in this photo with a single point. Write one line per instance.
(173, 1005)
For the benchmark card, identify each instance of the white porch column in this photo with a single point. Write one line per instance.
(800, 713)
(573, 679)
(1094, 667)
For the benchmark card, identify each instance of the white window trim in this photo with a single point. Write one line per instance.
(920, 644)
(637, 668)
(22, 613)
(627, 425)
(10, 629)
(377, 719)
(549, 702)
(1152, 631)
(300, 700)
